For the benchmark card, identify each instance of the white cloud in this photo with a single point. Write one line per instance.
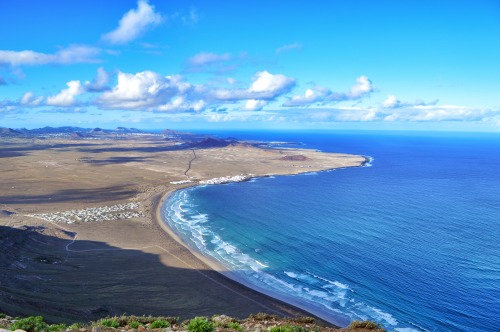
(182, 104)
(216, 63)
(427, 113)
(363, 87)
(152, 91)
(310, 97)
(99, 83)
(324, 96)
(134, 23)
(67, 96)
(267, 83)
(391, 102)
(254, 105)
(145, 90)
(289, 47)
(68, 55)
(205, 58)
(28, 99)
(449, 113)
(394, 102)
(265, 86)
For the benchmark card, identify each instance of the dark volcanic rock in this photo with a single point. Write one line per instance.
(78, 135)
(5, 213)
(97, 131)
(8, 132)
(211, 143)
(297, 157)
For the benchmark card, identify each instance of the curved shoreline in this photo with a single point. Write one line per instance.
(283, 308)
(157, 216)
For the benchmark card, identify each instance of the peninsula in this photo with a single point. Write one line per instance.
(80, 230)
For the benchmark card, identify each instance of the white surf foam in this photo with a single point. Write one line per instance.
(369, 162)
(330, 296)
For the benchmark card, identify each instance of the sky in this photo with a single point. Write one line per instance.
(329, 65)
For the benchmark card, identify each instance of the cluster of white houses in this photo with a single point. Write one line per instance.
(226, 179)
(113, 212)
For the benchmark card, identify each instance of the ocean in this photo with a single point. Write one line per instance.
(412, 241)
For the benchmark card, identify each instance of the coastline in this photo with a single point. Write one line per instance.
(273, 304)
(59, 200)
(158, 219)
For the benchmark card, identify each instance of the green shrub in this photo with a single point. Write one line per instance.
(143, 320)
(110, 322)
(234, 326)
(57, 327)
(31, 324)
(160, 324)
(134, 324)
(287, 328)
(200, 324)
(365, 324)
(74, 326)
(263, 316)
(3, 315)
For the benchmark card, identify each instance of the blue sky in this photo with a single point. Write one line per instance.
(390, 65)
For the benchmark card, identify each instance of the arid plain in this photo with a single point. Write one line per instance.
(82, 237)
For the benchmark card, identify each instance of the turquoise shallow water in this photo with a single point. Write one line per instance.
(411, 242)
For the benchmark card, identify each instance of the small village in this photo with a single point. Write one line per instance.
(95, 214)
(226, 179)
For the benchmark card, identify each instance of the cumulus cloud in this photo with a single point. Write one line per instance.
(67, 96)
(324, 96)
(68, 55)
(29, 99)
(254, 105)
(391, 102)
(394, 102)
(134, 23)
(99, 83)
(269, 84)
(152, 91)
(265, 86)
(289, 47)
(145, 90)
(310, 97)
(362, 87)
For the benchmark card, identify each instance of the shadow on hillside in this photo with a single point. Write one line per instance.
(17, 149)
(40, 278)
(83, 195)
(138, 149)
(116, 160)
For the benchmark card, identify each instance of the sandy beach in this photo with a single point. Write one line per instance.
(84, 237)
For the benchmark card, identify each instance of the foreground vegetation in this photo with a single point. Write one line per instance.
(219, 323)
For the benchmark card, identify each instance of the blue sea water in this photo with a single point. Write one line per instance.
(412, 242)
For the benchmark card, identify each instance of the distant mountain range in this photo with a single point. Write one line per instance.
(68, 130)
(191, 140)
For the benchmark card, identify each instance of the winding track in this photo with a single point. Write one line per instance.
(189, 166)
